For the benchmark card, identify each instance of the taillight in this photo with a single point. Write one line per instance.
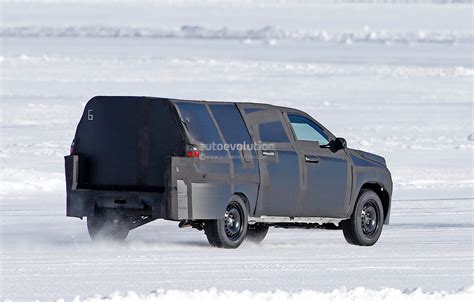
(71, 150)
(192, 151)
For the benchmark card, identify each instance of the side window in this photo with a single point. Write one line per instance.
(272, 132)
(231, 124)
(306, 130)
(199, 123)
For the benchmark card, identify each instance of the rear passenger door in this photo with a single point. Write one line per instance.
(279, 192)
(326, 174)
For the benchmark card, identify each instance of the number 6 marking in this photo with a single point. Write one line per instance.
(90, 116)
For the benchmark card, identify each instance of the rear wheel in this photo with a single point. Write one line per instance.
(229, 231)
(257, 232)
(366, 222)
(107, 225)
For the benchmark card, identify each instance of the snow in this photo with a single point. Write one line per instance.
(270, 34)
(358, 294)
(392, 77)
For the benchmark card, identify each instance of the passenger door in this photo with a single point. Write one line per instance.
(279, 191)
(326, 176)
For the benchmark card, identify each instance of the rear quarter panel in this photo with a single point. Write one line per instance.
(201, 189)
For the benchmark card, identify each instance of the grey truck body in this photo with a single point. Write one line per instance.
(130, 153)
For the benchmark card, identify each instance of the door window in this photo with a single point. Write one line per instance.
(272, 132)
(307, 130)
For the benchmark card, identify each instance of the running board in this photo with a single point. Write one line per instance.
(281, 219)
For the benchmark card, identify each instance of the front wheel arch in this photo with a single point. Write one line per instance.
(383, 194)
(364, 227)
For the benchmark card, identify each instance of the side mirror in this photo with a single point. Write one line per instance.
(338, 144)
(341, 143)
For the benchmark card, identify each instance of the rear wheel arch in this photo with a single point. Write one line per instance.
(231, 229)
(245, 200)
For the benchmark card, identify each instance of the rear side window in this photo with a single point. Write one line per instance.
(199, 123)
(307, 130)
(272, 132)
(231, 124)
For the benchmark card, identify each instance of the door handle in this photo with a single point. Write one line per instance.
(268, 153)
(311, 159)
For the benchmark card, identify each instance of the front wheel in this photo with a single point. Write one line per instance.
(107, 225)
(366, 222)
(229, 231)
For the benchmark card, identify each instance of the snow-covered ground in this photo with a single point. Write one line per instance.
(392, 77)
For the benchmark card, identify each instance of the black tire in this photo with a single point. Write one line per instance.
(107, 225)
(256, 232)
(366, 222)
(230, 231)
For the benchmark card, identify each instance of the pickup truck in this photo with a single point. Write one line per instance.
(231, 169)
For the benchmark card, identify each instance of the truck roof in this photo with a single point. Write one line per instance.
(175, 100)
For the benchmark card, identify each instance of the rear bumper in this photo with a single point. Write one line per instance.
(82, 202)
